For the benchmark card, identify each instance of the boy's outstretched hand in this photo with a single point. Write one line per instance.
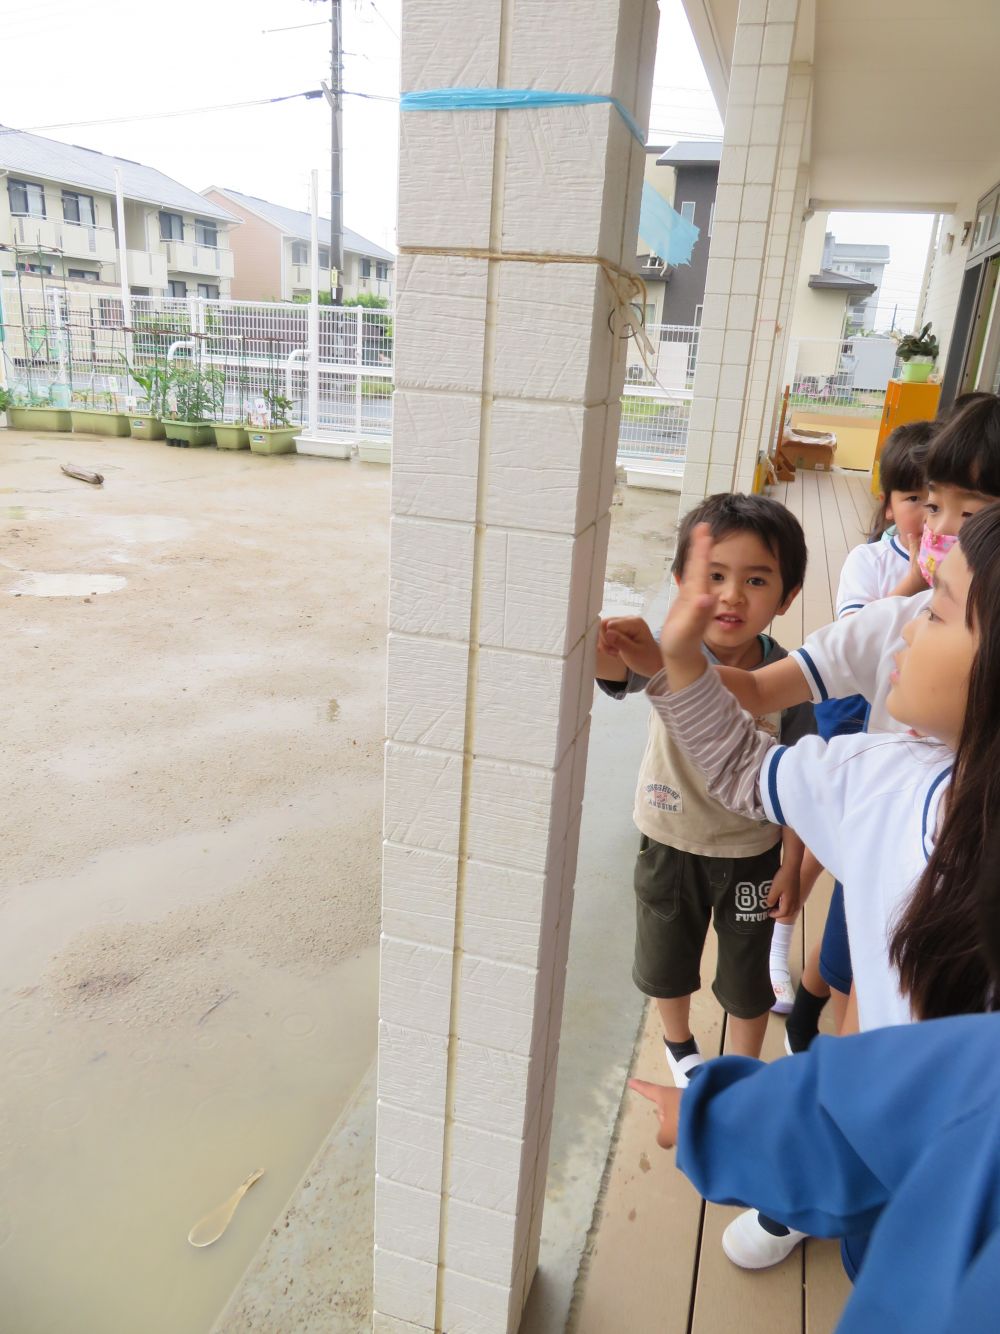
(631, 641)
(668, 1108)
(689, 617)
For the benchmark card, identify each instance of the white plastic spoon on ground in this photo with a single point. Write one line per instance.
(212, 1226)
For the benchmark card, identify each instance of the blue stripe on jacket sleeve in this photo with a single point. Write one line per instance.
(805, 658)
(770, 789)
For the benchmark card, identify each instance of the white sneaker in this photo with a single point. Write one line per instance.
(681, 1070)
(784, 993)
(751, 1246)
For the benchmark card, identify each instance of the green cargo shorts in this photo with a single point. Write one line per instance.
(676, 895)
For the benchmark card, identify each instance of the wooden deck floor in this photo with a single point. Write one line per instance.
(656, 1264)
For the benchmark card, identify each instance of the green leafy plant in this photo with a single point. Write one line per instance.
(922, 344)
(196, 393)
(154, 381)
(279, 405)
(6, 399)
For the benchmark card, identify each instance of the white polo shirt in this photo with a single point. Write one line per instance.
(871, 571)
(868, 807)
(855, 656)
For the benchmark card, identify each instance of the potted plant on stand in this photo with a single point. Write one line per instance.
(193, 395)
(91, 419)
(918, 352)
(146, 423)
(233, 435)
(278, 436)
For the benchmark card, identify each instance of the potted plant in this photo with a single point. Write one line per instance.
(93, 420)
(146, 423)
(6, 399)
(193, 397)
(918, 352)
(233, 435)
(278, 436)
(34, 413)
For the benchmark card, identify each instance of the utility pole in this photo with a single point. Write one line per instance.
(336, 155)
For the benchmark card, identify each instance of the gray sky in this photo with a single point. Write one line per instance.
(82, 60)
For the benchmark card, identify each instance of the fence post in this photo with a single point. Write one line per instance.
(313, 332)
(359, 312)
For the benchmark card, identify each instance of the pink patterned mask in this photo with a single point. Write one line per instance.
(933, 549)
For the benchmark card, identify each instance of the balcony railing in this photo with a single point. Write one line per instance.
(146, 269)
(72, 239)
(185, 257)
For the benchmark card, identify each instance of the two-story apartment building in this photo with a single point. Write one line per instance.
(58, 219)
(865, 264)
(272, 252)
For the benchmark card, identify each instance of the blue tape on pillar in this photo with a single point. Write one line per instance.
(667, 234)
(501, 99)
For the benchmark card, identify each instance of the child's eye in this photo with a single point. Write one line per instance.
(931, 615)
(716, 577)
(755, 581)
(930, 507)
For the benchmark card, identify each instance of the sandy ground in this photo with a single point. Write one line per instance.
(189, 907)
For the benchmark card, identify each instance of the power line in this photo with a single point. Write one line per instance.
(385, 20)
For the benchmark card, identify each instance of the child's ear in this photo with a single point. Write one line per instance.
(677, 579)
(886, 503)
(789, 600)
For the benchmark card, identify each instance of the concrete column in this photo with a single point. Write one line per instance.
(725, 404)
(506, 420)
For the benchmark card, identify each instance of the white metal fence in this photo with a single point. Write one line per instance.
(844, 375)
(656, 402)
(62, 346)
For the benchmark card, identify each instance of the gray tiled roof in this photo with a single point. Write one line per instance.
(87, 169)
(292, 222)
(692, 153)
(840, 282)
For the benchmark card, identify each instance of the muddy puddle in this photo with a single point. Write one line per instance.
(70, 584)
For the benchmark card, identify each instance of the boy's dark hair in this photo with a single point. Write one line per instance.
(965, 451)
(902, 466)
(962, 401)
(776, 526)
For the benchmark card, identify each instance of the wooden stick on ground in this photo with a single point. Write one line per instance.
(94, 478)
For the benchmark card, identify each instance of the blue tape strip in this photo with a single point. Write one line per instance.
(500, 99)
(667, 234)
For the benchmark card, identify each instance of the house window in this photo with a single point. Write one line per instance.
(211, 290)
(865, 271)
(27, 200)
(177, 287)
(324, 258)
(84, 275)
(687, 210)
(300, 252)
(697, 314)
(205, 232)
(24, 267)
(78, 208)
(381, 270)
(171, 226)
(650, 316)
(366, 267)
(711, 217)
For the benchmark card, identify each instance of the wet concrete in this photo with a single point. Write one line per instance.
(188, 914)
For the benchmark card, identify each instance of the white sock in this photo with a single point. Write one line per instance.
(780, 944)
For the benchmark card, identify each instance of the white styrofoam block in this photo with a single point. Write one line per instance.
(407, 1221)
(409, 1147)
(485, 1167)
(502, 912)
(598, 570)
(415, 985)
(545, 465)
(426, 687)
(412, 1069)
(388, 1324)
(423, 792)
(546, 50)
(418, 895)
(440, 322)
(578, 779)
(473, 1306)
(491, 1089)
(531, 590)
(526, 705)
(552, 335)
(510, 814)
(435, 455)
(430, 56)
(455, 151)
(562, 164)
(479, 1242)
(625, 251)
(430, 577)
(496, 1002)
(609, 459)
(404, 1288)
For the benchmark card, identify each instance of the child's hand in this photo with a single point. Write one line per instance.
(630, 638)
(608, 665)
(785, 898)
(689, 617)
(668, 1108)
(913, 581)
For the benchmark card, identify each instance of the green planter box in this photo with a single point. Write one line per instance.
(39, 419)
(191, 434)
(273, 439)
(230, 436)
(916, 370)
(89, 421)
(146, 428)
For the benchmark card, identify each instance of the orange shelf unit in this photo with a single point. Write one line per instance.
(903, 403)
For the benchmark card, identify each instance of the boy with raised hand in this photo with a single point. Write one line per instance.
(697, 861)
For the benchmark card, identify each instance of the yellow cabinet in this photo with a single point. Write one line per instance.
(903, 403)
